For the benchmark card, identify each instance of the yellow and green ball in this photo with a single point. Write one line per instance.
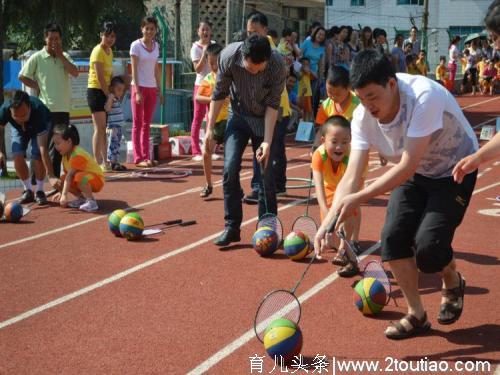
(369, 296)
(283, 338)
(297, 245)
(114, 221)
(131, 226)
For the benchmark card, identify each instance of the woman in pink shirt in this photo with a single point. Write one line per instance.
(200, 63)
(146, 80)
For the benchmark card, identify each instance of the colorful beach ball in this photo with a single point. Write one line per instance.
(13, 212)
(283, 338)
(1, 210)
(265, 241)
(297, 245)
(369, 296)
(114, 221)
(131, 226)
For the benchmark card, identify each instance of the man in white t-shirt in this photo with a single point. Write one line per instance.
(416, 124)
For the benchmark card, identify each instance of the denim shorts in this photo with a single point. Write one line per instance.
(20, 144)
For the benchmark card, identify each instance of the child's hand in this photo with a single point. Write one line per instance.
(63, 201)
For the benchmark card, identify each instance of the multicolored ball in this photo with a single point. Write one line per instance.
(13, 212)
(297, 245)
(131, 226)
(369, 296)
(114, 221)
(265, 241)
(283, 338)
(1, 209)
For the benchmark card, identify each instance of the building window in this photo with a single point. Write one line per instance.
(410, 2)
(357, 3)
(463, 31)
(329, 2)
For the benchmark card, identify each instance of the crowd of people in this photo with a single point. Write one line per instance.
(360, 94)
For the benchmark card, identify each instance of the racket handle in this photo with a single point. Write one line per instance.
(331, 226)
(187, 223)
(173, 222)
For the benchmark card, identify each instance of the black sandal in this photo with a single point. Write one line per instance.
(207, 190)
(340, 260)
(117, 167)
(451, 311)
(349, 270)
(417, 327)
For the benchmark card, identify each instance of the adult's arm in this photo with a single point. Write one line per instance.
(99, 70)
(69, 66)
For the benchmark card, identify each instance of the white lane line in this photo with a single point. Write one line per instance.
(149, 203)
(250, 334)
(485, 188)
(127, 272)
(479, 103)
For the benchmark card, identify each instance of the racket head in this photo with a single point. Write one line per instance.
(277, 304)
(308, 226)
(272, 221)
(376, 270)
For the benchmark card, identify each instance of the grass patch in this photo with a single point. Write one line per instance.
(10, 176)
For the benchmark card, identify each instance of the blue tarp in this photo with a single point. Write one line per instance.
(11, 69)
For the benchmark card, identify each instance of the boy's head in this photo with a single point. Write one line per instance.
(398, 40)
(374, 80)
(287, 34)
(410, 60)
(213, 52)
(291, 80)
(65, 138)
(466, 52)
(421, 54)
(442, 60)
(117, 87)
(338, 87)
(336, 136)
(306, 63)
(256, 52)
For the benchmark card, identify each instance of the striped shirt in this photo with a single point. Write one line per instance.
(115, 115)
(250, 93)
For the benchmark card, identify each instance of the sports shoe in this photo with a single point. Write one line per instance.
(27, 197)
(106, 167)
(215, 157)
(40, 198)
(89, 206)
(197, 158)
(252, 198)
(77, 202)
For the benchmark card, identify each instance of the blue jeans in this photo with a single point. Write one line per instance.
(236, 139)
(279, 164)
(20, 142)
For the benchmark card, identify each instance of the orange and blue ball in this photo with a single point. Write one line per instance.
(265, 241)
(114, 221)
(283, 338)
(369, 296)
(13, 212)
(131, 226)
(297, 245)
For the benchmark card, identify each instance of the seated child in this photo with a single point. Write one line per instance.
(442, 71)
(204, 96)
(305, 90)
(82, 175)
(421, 63)
(329, 164)
(115, 122)
(489, 80)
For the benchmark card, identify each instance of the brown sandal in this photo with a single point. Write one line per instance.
(207, 190)
(451, 311)
(417, 327)
(340, 260)
(349, 270)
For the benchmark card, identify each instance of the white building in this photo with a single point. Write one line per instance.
(446, 17)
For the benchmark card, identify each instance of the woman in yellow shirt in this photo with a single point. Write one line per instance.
(100, 72)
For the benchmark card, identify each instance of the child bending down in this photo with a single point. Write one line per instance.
(204, 96)
(82, 175)
(329, 163)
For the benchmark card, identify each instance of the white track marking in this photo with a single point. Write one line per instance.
(250, 334)
(479, 103)
(477, 191)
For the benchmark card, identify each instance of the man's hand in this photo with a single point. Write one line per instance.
(58, 51)
(262, 154)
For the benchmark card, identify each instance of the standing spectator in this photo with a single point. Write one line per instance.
(312, 29)
(421, 63)
(254, 77)
(115, 122)
(408, 49)
(442, 72)
(146, 83)
(295, 108)
(381, 44)
(314, 50)
(353, 45)
(411, 67)
(453, 58)
(100, 72)
(337, 52)
(486, 49)
(287, 48)
(274, 36)
(202, 68)
(367, 38)
(470, 72)
(398, 56)
(47, 72)
(305, 91)
(413, 40)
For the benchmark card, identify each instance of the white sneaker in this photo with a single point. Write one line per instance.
(215, 157)
(77, 202)
(89, 206)
(197, 158)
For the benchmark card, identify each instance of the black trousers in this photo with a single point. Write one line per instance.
(421, 219)
(57, 118)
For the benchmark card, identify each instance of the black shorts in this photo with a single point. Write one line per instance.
(421, 219)
(96, 100)
(470, 75)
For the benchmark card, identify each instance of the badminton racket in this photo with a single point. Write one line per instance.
(305, 223)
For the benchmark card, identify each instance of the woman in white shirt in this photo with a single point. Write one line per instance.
(146, 80)
(453, 53)
(200, 63)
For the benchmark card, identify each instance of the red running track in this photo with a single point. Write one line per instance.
(74, 299)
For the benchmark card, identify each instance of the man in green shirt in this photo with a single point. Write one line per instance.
(48, 73)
